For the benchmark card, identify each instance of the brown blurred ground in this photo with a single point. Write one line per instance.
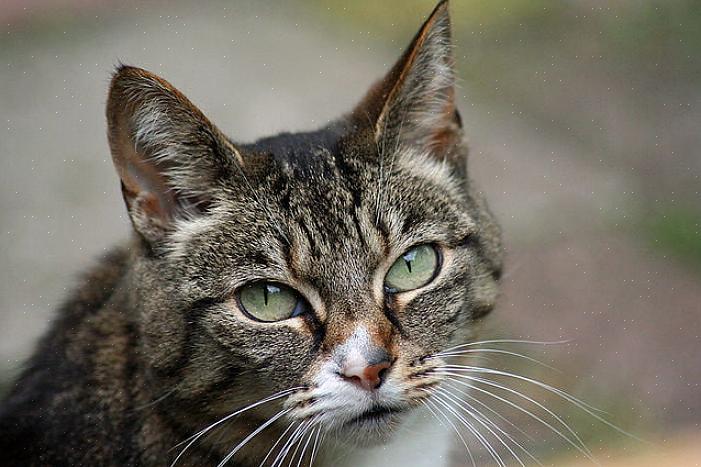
(582, 262)
(684, 449)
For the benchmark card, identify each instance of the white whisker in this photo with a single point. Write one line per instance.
(155, 401)
(291, 441)
(315, 446)
(442, 396)
(505, 433)
(262, 427)
(507, 341)
(279, 459)
(460, 353)
(467, 448)
(559, 392)
(487, 423)
(270, 451)
(487, 407)
(487, 445)
(193, 439)
(298, 443)
(306, 444)
(581, 447)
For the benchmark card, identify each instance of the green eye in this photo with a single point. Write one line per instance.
(268, 301)
(415, 268)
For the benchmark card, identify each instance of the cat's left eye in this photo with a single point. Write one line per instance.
(415, 268)
(270, 301)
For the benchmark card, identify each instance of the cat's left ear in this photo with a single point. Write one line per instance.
(414, 104)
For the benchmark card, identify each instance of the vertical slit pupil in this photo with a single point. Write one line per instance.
(408, 264)
(265, 294)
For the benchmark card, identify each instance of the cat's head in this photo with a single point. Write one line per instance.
(333, 261)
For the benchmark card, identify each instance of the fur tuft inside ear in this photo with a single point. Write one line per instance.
(167, 153)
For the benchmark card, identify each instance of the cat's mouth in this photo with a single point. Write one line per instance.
(377, 415)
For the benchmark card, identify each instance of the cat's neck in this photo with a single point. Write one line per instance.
(420, 442)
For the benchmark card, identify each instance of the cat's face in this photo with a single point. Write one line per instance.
(331, 262)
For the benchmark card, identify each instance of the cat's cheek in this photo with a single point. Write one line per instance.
(430, 320)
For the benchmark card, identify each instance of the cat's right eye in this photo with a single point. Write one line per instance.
(270, 301)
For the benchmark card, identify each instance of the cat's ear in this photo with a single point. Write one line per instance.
(167, 153)
(414, 103)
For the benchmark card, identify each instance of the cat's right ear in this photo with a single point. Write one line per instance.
(167, 153)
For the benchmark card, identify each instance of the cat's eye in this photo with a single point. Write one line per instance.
(415, 268)
(269, 301)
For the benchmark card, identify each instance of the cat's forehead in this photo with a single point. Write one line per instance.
(328, 213)
(330, 206)
(340, 185)
(350, 160)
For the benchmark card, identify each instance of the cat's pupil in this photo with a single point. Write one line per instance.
(409, 258)
(269, 289)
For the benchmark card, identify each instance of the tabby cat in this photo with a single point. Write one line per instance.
(279, 302)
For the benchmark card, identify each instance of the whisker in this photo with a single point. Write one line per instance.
(279, 459)
(312, 455)
(487, 407)
(559, 392)
(156, 401)
(262, 427)
(292, 440)
(449, 401)
(487, 445)
(193, 439)
(306, 444)
(507, 341)
(505, 433)
(481, 418)
(447, 419)
(298, 443)
(581, 447)
(270, 451)
(460, 353)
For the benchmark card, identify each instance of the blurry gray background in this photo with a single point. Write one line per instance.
(583, 118)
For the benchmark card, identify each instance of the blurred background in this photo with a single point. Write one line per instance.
(584, 122)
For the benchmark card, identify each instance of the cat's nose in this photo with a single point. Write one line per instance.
(367, 376)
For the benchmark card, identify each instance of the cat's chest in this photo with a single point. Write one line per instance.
(421, 442)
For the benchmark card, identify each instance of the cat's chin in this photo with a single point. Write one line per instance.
(370, 429)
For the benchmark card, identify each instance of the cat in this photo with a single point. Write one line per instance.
(285, 300)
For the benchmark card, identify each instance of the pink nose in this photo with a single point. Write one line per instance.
(368, 377)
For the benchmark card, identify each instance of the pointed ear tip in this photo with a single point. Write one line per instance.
(127, 71)
(442, 8)
(123, 78)
(128, 77)
(440, 15)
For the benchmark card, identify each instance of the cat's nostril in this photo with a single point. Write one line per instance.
(383, 374)
(352, 379)
(368, 377)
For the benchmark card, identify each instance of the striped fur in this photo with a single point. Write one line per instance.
(152, 347)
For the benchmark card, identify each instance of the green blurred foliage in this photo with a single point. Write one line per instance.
(678, 232)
